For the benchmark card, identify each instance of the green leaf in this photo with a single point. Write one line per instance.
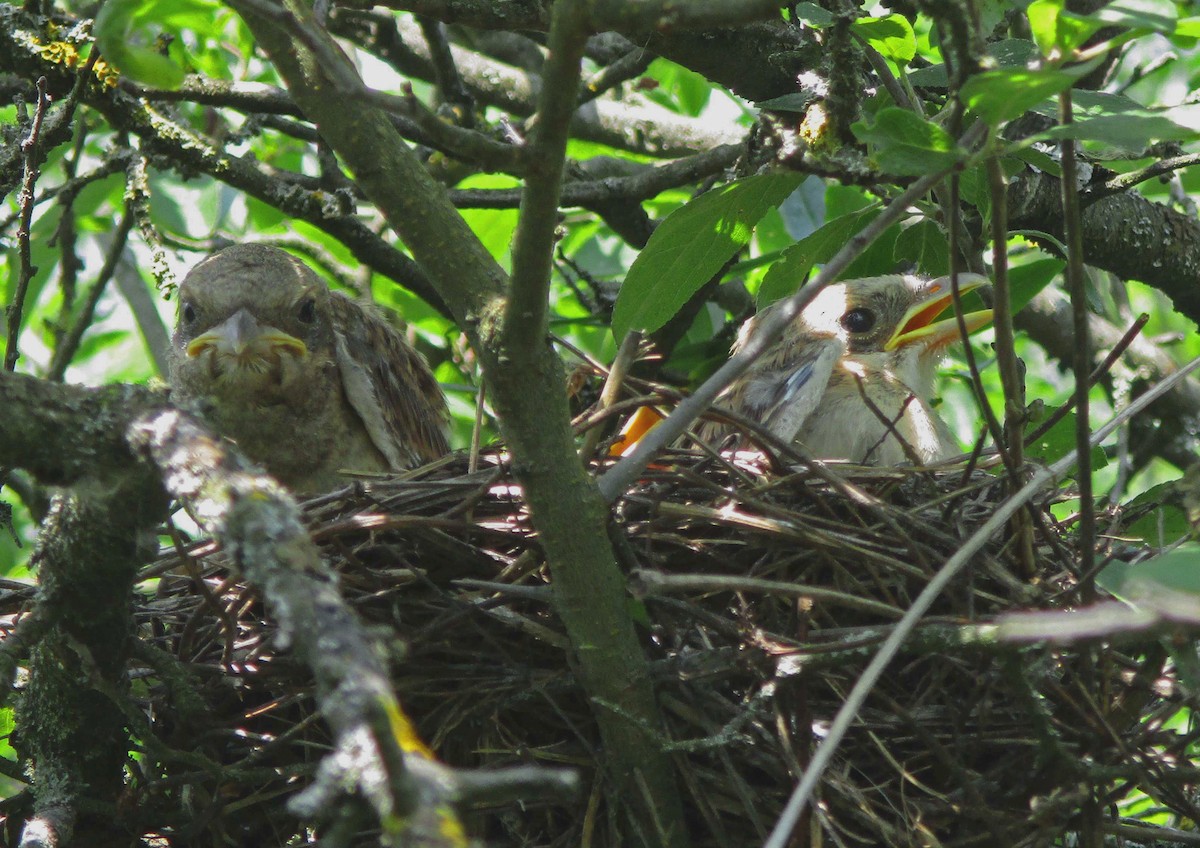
(680, 89)
(1008, 53)
(1150, 15)
(906, 144)
(691, 245)
(892, 36)
(1133, 130)
(1006, 93)
(1056, 31)
(1060, 441)
(924, 245)
(794, 102)
(1161, 521)
(1188, 28)
(94, 343)
(1038, 159)
(786, 275)
(813, 15)
(1172, 573)
(877, 259)
(1027, 280)
(974, 188)
(125, 31)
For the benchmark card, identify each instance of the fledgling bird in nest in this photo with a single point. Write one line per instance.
(852, 377)
(305, 380)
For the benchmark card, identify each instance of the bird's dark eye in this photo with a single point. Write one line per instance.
(187, 312)
(308, 311)
(858, 320)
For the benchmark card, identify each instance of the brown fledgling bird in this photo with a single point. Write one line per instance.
(874, 338)
(305, 380)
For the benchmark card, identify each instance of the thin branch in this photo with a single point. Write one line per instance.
(449, 81)
(32, 155)
(68, 345)
(632, 64)
(854, 701)
(647, 582)
(1073, 236)
(1124, 182)
(1099, 371)
(981, 398)
(644, 182)
(1011, 381)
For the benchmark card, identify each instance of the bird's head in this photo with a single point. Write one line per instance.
(893, 314)
(251, 309)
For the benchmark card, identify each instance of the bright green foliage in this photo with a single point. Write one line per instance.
(892, 36)
(122, 27)
(1001, 95)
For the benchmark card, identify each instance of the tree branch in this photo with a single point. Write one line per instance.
(524, 325)
(1118, 234)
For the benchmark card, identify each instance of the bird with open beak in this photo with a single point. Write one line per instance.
(306, 381)
(852, 377)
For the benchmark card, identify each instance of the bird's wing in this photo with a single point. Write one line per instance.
(783, 391)
(390, 386)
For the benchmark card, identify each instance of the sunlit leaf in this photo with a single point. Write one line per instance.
(1006, 93)
(1133, 130)
(1147, 15)
(1055, 30)
(904, 143)
(1038, 159)
(891, 35)
(803, 211)
(1188, 28)
(125, 31)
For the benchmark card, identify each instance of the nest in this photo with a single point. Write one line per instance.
(763, 593)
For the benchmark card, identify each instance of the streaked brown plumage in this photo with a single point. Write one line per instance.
(305, 380)
(875, 336)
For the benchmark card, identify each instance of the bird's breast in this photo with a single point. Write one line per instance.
(861, 425)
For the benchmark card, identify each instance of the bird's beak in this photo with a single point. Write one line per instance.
(919, 325)
(242, 337)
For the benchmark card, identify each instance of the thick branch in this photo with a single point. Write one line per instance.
(1132, 237)
(62, 434)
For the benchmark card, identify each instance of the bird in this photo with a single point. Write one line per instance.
(306, 381)
(852, 377)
